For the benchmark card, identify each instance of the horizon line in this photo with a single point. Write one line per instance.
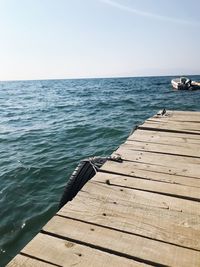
(103, 77)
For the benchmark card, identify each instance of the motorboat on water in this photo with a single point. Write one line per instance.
(182, 83)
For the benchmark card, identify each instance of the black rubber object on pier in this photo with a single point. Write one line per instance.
(85, 170)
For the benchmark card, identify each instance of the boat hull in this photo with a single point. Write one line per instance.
(181, 83)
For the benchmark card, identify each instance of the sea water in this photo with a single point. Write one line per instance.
(48, 126)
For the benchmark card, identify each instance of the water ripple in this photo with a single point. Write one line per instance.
(47, 127)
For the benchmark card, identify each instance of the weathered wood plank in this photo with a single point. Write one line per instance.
(179, 137)
(183, 112)
(66, 253)
(169, 127)
(144, 198)
(174, 114)
(184, 163)
(170, 138)
(193, 151)
(176, 190)
(174, 123)
(135, 246)
(23, 261)
(133, 215)
(178, 118)
(154, 172)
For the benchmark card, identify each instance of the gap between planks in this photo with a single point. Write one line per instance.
(124, 244)
(163, 219)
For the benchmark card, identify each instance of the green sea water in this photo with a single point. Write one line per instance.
(47, 127)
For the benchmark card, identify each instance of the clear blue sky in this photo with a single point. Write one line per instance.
(46, 39)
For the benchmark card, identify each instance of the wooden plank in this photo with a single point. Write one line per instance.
(133, 215)
(175, 190)
(184, 136)
(153, 172)
(169, 127)
(182, 140)
(184, 163)
(171, 161)
(66, 253)
(180, 114)
(180, 121)
(23, 261)
(144, 198)
(192, 151)
(183, 112)
(167, 141)
(135, 246)
(174, 123)
(178, 117)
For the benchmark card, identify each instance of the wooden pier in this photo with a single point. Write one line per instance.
(144, 211)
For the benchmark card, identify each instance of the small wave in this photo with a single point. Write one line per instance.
(47, 127)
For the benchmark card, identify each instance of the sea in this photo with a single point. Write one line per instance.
(48, 126)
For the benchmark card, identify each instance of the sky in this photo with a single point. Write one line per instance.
(61, 39)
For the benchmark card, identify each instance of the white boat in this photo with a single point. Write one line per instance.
(182, 83)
